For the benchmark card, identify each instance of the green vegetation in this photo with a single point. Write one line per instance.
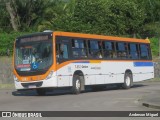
(154, 46)
(8, 86)
(7, 41)
(129, 18)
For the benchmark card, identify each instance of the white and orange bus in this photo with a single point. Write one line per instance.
(64, 59)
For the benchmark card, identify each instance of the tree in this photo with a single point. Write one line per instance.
(4, 21)
(12, 16)
(154, 46)
(51, 11)
(104, 17)
(151, 25)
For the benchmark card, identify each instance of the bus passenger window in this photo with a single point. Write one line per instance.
(65, 52)
(109, 50)
(62, 51)
(121, 50)
(114, 55)
(79, 48)
(133, 51)
(99, 55)
(59, 52)
(95, 49)
(119, 54)
(144, 51)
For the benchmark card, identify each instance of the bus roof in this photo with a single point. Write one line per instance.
(89, 36)
(34, 34)
(93, 36)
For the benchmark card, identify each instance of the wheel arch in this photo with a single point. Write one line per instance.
(82, 79)
(128, 71)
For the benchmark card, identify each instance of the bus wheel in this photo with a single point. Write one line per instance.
(41, 92)
(127, 80)
(76, 88)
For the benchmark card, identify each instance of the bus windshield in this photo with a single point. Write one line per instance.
(33, 56)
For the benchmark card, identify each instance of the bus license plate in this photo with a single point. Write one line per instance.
(32, 86)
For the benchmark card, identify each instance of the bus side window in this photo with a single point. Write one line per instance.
(133, 51)
(65, 51)
(144, 51)
(79, 48)
(121, 50)
(100, 53)
(95, 49)
(109, 51)
(62, 51)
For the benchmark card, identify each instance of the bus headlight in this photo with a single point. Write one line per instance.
(49, 75)
(15, 78)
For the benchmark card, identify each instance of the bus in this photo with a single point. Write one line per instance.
(50, 60)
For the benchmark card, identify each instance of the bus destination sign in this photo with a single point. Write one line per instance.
(34, 39)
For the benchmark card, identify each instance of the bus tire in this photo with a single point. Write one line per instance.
(127, 80)
(41, 92)
(76, 88)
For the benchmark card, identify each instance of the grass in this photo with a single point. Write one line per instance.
(7, 86)
(155, 80)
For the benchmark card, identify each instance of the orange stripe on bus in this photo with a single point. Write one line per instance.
(95, 61)
(90, 36)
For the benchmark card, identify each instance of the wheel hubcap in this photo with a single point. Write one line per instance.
(77, 84)
(128, 81)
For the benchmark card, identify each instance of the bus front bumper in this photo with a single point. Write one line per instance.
(47, 83)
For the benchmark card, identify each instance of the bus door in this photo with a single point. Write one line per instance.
(62, 56)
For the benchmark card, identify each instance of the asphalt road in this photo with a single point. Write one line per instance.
(111, 99)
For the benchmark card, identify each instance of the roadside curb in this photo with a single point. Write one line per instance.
(150, 105)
